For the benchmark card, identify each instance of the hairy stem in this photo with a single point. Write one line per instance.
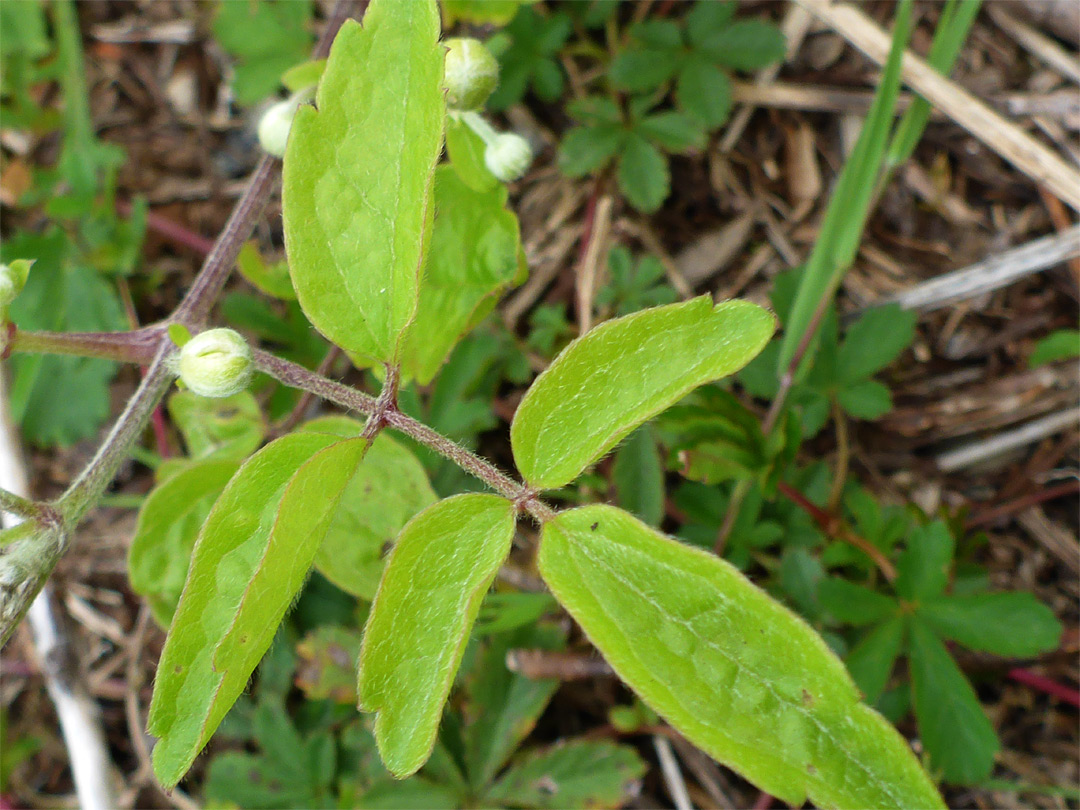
(297, 376)
(24, 507)
(138, 346)
(91, 483)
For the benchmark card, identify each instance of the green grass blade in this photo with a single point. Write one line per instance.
(849, 206)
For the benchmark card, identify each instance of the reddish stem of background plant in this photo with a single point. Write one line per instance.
(1063, 693)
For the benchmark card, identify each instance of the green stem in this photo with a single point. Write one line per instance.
(480, 126)
(23, 507)
(95, 478)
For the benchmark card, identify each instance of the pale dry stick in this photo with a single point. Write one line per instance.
(643, 231)
(1036, 42)
(979, 451)
(1032, 158)
(145, 773)
(714, 250)
(78, 714)
(795, 24)
(540, 276)
(708, 773)
(1059, 104)
(589, 268)
(673, 777)
(992, 273)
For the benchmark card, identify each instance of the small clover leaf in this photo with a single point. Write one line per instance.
(698, 56)
(527, 49)
(636, 139)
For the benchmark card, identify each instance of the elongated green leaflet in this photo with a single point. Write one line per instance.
(249, 562)
(622, 373)
(475, 254)
(169, 523)
(358, 178)
(437, 575)
(385, 492)
(738, 674)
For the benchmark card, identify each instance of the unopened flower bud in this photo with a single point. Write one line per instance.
(470, 75)
(216, 363)
(8, 290)
(13, 279)
(508, 156)
(275, 124)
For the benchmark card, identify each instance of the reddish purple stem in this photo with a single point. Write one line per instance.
(1044, 684)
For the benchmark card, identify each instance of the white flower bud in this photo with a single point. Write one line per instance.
(13, 279)
(470, 75)
(8, 290)
(275, 124)
(216, 363)
(508, 156)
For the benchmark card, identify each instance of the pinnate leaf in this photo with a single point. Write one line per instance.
(738, 674)
(440, 568)
(953, 726)
(249, 562)
(642, 70)
(1015, 624)
(866, 399)
(674, 131)
(704, 91)
(586, 149)
(358, 178)
(621, 374)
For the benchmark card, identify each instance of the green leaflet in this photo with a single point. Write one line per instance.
(385, 492)
(465, 150)
(738, 674)
(437, 575)
(358, 177)
(250, 560)
(623, 372)
(579, 773)
(501, 706)
(169, 522)
(954, 727)
(1015, 624)
(475, 254)
(638, 474)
